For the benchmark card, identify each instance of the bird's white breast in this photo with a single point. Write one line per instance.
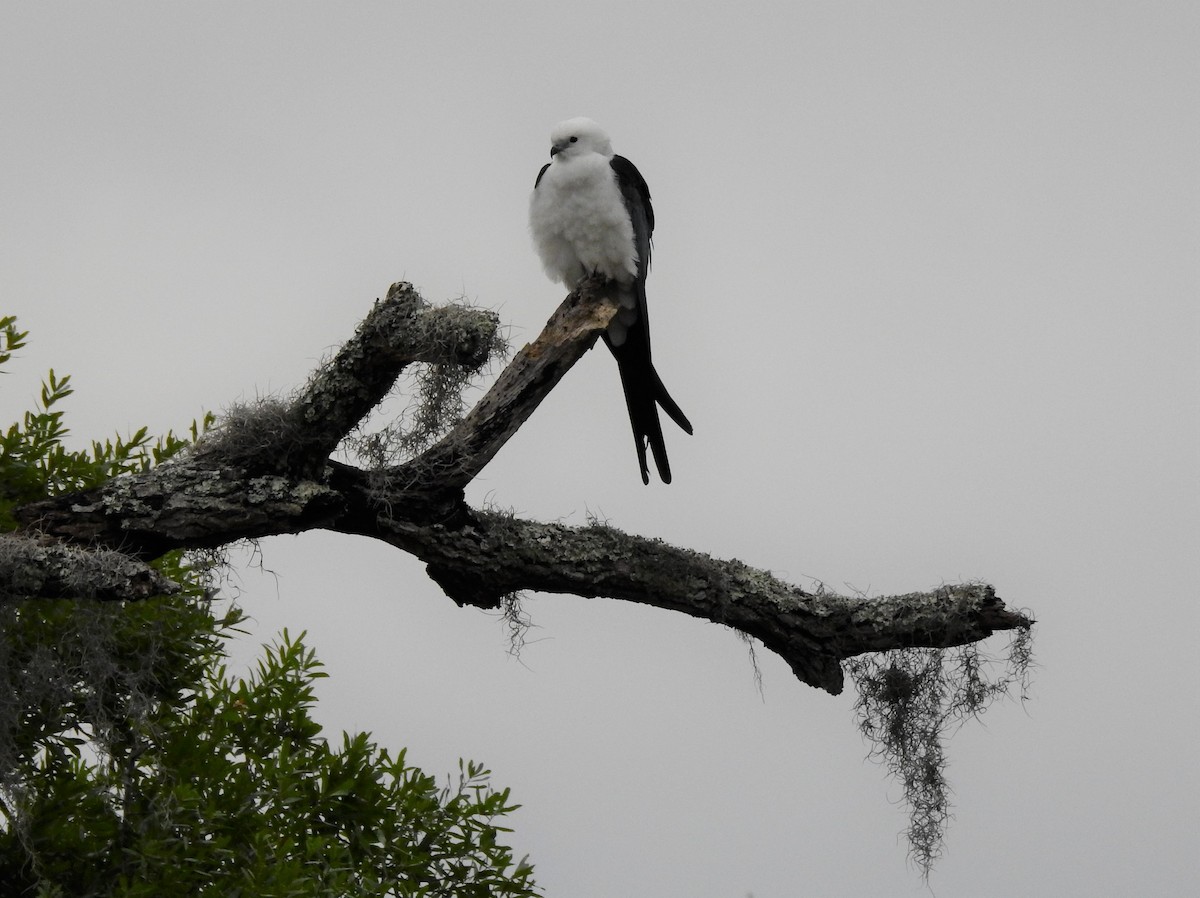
(579, 221)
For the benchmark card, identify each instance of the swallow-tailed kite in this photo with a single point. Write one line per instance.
(590, 213)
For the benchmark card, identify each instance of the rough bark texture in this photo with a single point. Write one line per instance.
(269, 472)
(45, 569)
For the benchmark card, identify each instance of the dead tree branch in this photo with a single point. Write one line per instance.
(32, 567)
(272, 474)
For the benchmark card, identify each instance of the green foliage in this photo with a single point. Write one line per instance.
(34, 463)
(132, 765)
(236, 793)
(72, 672)
(11, 339)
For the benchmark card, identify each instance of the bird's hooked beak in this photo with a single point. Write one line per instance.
(558, 148)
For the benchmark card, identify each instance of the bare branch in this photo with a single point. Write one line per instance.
(282, 481)
(32, 568)
(194, 503)
(574, 328)
(298, 437)
(813, 632)
(399, 330)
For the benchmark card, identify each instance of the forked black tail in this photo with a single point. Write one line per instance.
(644, 394)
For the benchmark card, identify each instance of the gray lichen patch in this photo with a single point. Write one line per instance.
(30, 568)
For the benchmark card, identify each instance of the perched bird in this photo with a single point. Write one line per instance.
(590, 213)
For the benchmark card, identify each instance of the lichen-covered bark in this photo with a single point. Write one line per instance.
(44, 569)
(188, 504)
(398, 331)
(454, 460)
(813, 632)
(269, 472)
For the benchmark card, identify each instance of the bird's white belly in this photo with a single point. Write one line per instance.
(580, 224)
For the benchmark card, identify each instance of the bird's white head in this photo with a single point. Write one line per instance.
(577, 136)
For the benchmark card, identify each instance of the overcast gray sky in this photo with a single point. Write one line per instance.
(925, 281)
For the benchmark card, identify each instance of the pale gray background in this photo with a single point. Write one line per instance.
(925, 281)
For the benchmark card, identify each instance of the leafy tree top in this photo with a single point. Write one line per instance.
(132, 764)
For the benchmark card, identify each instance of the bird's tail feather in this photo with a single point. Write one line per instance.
(668, 404)
(644, 390)
(644, 393)
(643, 416)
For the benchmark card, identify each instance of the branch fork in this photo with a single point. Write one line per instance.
(270, 472)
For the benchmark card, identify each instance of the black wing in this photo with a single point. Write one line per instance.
(644, 390)
(637, 200)
(539, 177)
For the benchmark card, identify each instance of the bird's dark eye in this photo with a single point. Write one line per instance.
(574, 139)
